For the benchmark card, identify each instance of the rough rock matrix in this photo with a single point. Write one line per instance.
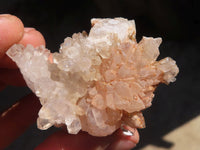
(96, 82)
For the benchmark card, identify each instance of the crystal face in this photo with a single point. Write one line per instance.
(96, 82)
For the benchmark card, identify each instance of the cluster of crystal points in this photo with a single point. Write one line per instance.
(96, 82)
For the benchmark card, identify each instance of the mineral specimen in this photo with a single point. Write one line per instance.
(96, 82)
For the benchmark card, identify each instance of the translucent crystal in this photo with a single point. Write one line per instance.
(96, 82)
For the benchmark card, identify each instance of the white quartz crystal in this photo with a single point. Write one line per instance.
(95, 82)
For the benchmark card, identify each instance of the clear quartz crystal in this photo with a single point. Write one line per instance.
(96, 82)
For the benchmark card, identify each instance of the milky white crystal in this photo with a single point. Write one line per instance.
(98, 81)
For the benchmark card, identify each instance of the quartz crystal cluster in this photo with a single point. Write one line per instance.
(97, 81)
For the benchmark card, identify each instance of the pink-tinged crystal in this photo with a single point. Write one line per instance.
(96, 82)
